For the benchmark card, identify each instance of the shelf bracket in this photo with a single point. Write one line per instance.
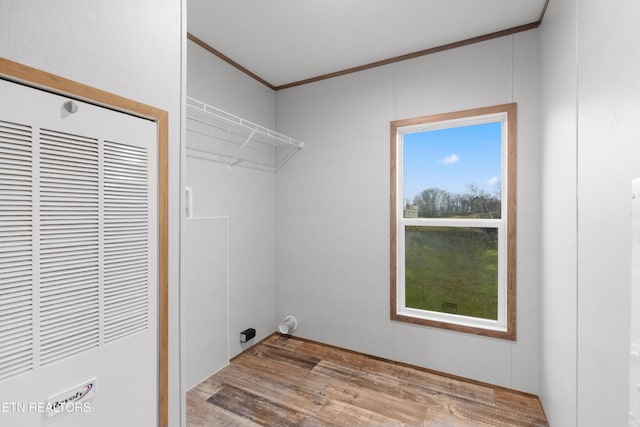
(238, 160)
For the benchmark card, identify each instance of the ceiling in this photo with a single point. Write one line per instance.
(288, 41)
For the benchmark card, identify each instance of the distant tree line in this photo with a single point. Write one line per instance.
(438, 203)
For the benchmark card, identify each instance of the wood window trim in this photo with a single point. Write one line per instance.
(32, 77)
(511, 110)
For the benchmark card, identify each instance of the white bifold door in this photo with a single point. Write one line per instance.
(78, 263)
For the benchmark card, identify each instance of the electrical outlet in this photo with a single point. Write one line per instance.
(247, 334)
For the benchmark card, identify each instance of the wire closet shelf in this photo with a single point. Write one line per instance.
(213, 134)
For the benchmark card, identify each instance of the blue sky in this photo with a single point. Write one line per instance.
(451, 159)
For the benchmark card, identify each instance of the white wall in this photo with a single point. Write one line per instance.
(558, 319)
(204, 296)
(593, 126)
(608, 158)
(132, 49)
(246, 196)
(332, 203)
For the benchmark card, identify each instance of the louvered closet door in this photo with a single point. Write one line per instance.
(78, 261)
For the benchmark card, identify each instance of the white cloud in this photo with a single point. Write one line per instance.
(494, 180)
(449, 160)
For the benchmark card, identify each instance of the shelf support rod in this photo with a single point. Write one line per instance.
(236, 160)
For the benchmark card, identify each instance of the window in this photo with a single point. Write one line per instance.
(453, 211)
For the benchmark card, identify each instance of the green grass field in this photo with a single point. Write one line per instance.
(454, 270)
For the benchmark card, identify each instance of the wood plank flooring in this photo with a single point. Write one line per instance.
(286, 381)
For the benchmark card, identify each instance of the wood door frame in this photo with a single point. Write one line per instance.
(38, 79)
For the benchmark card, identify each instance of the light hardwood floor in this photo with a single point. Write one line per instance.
(287, 381)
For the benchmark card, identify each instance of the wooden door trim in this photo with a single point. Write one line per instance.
(29, 76)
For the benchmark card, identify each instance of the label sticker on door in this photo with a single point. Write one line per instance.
(75, 399)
